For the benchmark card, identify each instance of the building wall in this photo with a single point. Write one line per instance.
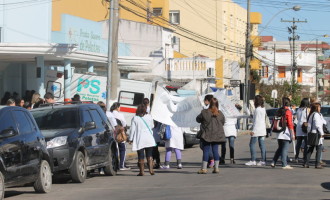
(28, 23)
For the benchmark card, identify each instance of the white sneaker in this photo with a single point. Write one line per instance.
(261, 163)
(101, 171)
(165, 167)
(287, 167)
(179, 166)
(124, 168)
(251, 163)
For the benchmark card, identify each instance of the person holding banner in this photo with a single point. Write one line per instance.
(258, 132)
(211, 133)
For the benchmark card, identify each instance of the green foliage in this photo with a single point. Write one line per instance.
(283, 90)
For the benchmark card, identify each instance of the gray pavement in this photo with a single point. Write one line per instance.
(234, 181)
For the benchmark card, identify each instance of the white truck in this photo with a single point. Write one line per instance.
(130, 93)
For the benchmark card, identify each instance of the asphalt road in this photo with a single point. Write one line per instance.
(234, 181)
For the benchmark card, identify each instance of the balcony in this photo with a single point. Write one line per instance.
(190, 68)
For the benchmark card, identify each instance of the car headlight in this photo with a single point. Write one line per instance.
(56, 142)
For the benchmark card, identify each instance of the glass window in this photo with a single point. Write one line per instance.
(7, 121)
(281, 71)
(56, 118)
(97, 118)
(130, 98)
(157, 12)
(87, 116)
(175, 17)
(24, 125)
(325, 111)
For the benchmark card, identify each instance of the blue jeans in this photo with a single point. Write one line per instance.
(231, 141)
(214, 147)
(282, 150)
(300, 139)
(122, 154)
(253, 141)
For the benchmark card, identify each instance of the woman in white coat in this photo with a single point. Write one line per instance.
(258, 132)
(302, 114)
(142, 138)
(231, 134)
(315, 125)
(175, 143)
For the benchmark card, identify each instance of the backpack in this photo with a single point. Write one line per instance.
(279, 122)
(165, 132)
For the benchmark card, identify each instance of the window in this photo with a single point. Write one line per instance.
(264, 72)
(281, 71)
(56, 118)
(175, 17)
(97, 118)
(7, 121)
(157, 12)
(24, 125)
(130, 98)
(87, 116)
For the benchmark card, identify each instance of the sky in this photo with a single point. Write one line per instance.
(316, 12)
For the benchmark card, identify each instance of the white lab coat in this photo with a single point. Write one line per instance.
(259, 122)
(315, 124)
(111, 118)
(230, 127)
(141, 132)
(176, 140)
(120, 116)
(301, 118)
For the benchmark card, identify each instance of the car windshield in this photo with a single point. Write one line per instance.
(271, 112)
(56, 118)
(325, 111)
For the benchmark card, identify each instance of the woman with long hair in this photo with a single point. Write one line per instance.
(315, 126)
(35, 99)
(212, 121)
(258, 132)
(142, 138)
(302, 114)
(285, 137)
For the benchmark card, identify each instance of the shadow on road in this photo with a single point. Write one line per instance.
(326, 185)
(13, 193)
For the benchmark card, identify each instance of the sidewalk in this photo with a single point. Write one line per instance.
(130, 155)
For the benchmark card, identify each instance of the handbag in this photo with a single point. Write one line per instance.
(121, 137)
(313, 138)
(200, 133)
(304, 125)
(167, 134)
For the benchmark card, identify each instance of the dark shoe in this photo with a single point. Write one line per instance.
(156, 166)
(319, 167)
(141, 167)
(151, 166)
(222, 162)
(232, 161)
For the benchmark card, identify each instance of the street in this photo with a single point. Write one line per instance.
(234, 181)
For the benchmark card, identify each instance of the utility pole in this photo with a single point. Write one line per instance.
(112, 70)
(274, 65)
(248, 55)
(316, 68)
(294, 37)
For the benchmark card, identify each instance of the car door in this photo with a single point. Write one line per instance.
(30, 143)
(10, 148)
(100, 139)
(88, 137)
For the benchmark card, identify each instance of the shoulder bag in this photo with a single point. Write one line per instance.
(304, 125)
(313, 138)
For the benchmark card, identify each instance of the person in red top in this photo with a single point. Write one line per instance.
(284, 138)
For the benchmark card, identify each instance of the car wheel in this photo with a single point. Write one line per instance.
(2, 186)
(112, 167)
(43, 183)
(78, 170)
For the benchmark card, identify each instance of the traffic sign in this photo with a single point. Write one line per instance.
(235, 83)
(274, 94)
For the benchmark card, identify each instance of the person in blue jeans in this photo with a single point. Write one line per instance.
(258, 133)
(285, 137)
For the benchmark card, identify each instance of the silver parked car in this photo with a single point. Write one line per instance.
(325, 110)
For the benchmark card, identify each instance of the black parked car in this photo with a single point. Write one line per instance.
(23, 155)
(79, 139)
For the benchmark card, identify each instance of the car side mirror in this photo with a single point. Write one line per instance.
(90, 125)
(7, 133)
